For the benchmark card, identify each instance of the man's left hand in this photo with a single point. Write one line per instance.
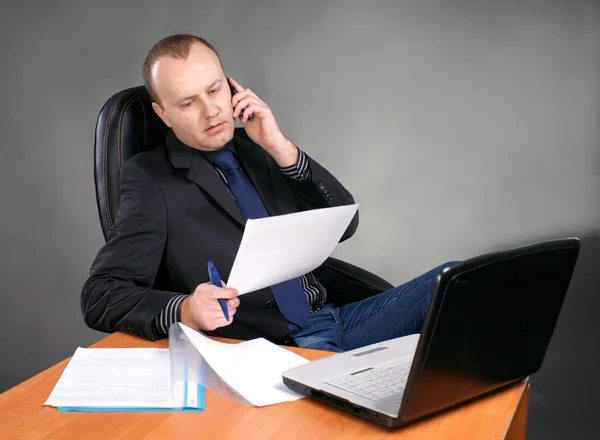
(260, 124)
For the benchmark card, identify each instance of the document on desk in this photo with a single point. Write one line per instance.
(248, 372)
(279, 248)
(121, 379)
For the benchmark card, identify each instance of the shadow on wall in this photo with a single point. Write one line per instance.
(564, 393)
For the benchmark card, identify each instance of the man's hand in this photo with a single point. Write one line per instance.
(201, 310)
(261, 126)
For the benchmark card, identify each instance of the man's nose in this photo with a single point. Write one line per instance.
(210, 109)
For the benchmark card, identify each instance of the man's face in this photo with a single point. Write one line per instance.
(195, 100)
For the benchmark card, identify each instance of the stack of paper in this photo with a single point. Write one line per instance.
(121, 379)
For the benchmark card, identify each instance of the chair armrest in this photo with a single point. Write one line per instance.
(347, 283)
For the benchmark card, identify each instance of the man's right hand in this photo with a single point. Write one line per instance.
(201, 310)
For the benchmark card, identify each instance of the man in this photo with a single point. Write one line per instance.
(186, 202)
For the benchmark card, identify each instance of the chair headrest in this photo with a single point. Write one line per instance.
(126, 126)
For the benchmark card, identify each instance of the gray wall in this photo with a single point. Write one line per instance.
(460, 127)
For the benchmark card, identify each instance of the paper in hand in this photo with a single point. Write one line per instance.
(279, 248)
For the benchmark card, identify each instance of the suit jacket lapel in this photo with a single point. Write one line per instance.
(204, 175)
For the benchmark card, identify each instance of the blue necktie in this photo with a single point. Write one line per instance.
(289, 295)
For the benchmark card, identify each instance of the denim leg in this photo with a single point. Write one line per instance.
(322, 330)
(397, 312)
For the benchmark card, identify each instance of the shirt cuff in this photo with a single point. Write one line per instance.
(169, 315)
(300, 170)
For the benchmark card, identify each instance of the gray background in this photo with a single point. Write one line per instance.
(460, 127)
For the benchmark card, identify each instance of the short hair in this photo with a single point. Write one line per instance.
(175, 46)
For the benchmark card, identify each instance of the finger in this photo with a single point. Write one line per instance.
(247, 93)
(243, 103)
(251, 110)
(248, 113)
(200, 288)
(221, 321)
(241, 95)
(236, 86)
(218, 314)
(233, 303)
(222, 293)
(212, 306)
(208, 290)
(206, 307)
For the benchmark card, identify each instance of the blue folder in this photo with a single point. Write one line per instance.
(199, 407)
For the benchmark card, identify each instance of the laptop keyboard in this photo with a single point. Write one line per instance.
(374, 383)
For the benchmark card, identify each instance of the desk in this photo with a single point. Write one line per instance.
(22, 416)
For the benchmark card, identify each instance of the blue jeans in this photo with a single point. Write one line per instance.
(397, 312)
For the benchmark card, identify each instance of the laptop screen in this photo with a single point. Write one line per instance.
(489, 324)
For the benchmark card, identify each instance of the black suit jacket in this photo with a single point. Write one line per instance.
(175, 214)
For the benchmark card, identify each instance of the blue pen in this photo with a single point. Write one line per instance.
(215, 279)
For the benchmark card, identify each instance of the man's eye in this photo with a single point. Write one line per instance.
(186, 104)
(213, 91)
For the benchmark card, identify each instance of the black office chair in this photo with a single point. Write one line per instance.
(126, 126)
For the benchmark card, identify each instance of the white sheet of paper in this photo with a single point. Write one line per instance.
(115, 378)
(279, 248)
(253, 368)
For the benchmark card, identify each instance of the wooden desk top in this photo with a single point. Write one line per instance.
(22, 415)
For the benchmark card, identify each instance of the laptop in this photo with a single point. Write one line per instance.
(489, 323)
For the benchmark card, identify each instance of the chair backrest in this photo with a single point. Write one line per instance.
(126, 126)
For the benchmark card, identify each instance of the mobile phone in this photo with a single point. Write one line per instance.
(233, 92)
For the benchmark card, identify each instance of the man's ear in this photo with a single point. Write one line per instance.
(161, 114)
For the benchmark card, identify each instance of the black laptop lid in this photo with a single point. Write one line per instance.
(490, 321)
